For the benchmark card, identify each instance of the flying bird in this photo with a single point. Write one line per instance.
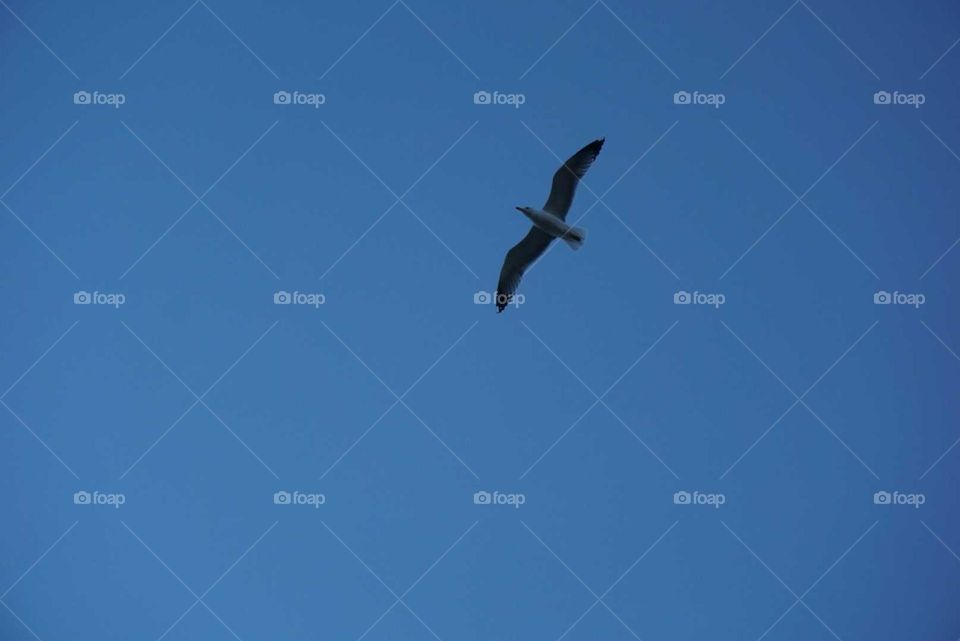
(548, 223)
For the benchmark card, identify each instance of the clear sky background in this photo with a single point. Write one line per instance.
(597, 400)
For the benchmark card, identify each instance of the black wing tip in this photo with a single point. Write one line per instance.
(598, 144)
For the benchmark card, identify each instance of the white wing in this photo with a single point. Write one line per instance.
(566, 178)
(518, 259)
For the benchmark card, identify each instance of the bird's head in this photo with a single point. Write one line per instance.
(524, 210)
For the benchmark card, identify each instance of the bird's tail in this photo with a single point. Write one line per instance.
(575, 237)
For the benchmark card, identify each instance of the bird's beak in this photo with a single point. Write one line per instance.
(520, 209)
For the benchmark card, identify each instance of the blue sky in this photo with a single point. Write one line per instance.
(149, 170)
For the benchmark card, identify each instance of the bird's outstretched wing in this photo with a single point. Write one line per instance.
(518, 259)
(566, 179)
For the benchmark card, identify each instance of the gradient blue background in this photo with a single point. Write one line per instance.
(797, 506)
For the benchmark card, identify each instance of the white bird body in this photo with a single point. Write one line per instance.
(555, 227)
(548, 223)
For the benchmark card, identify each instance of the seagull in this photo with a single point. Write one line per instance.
(548, 223)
